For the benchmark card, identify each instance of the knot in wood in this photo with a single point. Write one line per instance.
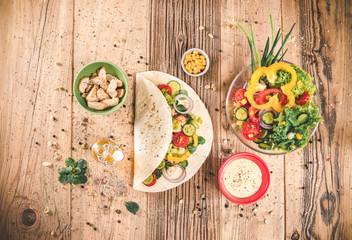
(29, 217)
(295, 235)
(327, 207)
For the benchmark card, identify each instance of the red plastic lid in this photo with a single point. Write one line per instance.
(265, 178)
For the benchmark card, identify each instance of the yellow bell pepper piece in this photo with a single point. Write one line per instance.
(271, 74)
(171, 158)
(195, 140)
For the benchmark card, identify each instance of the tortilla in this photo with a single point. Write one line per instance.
(151, 143)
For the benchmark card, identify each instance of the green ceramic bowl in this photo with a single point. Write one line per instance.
(86, 71)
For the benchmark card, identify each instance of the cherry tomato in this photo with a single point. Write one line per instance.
(251, 131)
(303, 98)
(252, 112)
(154, 181)
(261, 98)
(166, 87)
(240, 99)
(180, 140)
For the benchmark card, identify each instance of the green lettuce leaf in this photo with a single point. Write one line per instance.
(289, 133)
(307, 82)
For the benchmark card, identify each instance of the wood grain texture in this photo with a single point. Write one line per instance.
(322, 192)
(45, 43)
(33, 37)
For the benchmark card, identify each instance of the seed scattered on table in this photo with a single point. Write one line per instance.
(46, 210)
(47, 164)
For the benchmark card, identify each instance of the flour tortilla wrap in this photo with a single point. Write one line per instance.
(151, 144)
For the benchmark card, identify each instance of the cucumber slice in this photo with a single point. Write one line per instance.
(189, 130)
(264, 134)
(303, 118)
(149, 180)
(257, 141)
(175, 86)
(161, 165)
(264, 146)
(268, 118)
(241, 114)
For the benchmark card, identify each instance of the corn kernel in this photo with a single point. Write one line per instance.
(298, 136)
(243, 101)
(283, 122)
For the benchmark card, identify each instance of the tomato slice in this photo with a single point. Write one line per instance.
(303, 98)
(252, 112)
(166, 87)
(251, 131)
(240, 99)
(180, 140)
(154, 181)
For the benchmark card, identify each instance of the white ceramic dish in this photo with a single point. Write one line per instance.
(202, 53)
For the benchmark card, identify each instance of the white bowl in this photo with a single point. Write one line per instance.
(202, 53)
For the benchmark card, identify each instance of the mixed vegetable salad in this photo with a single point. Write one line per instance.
(185, 139)
(274, 108)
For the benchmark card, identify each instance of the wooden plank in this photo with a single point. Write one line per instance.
(174, 28)
(321, 188)
(33, 37)
(238, 221)
(113, 31)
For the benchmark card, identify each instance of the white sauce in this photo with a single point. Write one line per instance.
(242, 178)
(174, 172)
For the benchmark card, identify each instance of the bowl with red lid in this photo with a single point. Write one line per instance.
(244, 178)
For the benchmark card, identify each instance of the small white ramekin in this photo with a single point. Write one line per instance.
(200, 51)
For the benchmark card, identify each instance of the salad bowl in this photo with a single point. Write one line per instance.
(238, 83)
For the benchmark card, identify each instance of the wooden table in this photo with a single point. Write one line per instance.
(45, 43)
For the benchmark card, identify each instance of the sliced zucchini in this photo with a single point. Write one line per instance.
(258, 140)
(302, 118)
(264, 146)
(175, 86)
(268, 118)
(161, 165)
(189, 130)
(149, 180)
(241, 114)
(264, 134)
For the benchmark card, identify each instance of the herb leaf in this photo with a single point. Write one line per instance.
(70, 162)
(82, 164)
(65, 171)
(192, 149)
(70, 179)
(181, 108)
(183, 163)
(63, 179)
(132, 207)
(82, 178)
(201, 140)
